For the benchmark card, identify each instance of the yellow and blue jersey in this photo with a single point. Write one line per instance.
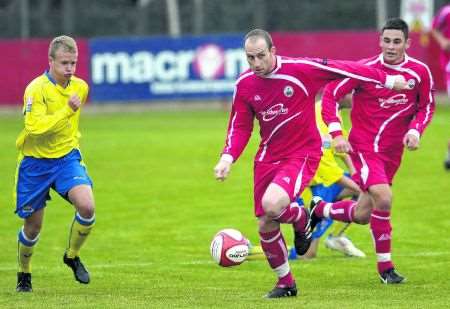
(329, 170)
(51, 126)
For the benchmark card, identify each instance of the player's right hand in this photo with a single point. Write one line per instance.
(222, 169)
(446, 45)
(341, 145)
(74, 102)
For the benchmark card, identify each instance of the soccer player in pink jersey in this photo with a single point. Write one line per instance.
(280, 93)
(441, 33)
(383, 123)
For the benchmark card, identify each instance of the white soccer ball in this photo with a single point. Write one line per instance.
(229, 248)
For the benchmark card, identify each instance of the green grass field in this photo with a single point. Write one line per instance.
(158, 207)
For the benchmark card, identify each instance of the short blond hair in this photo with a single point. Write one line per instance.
(66, 42)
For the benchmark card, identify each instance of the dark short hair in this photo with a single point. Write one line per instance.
(262, 34)
(396, 24)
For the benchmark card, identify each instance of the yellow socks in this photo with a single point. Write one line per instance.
(339, 228)
(80, 230)
(25, 251)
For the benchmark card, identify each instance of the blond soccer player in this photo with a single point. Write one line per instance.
(49, 157)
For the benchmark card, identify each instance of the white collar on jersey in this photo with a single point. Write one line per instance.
(393, 66)
(278, 66)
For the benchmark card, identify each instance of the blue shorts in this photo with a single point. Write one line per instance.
(328, 194)
(36, 176)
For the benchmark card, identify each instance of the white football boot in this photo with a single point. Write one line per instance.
(344, 245)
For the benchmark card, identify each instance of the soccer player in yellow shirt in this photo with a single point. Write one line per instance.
(331, 184)
(49, 157)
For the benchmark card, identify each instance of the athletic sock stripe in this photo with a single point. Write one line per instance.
(281, 214)
(381, 218)
(383, 257)
(271, 239)
(350, 213)
(84, 221)
(282, 270)
(25, 240)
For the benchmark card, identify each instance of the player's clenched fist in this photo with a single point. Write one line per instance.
(341, 145)
(400, 83)
(411, 141)
(222, 169)
(74, 102)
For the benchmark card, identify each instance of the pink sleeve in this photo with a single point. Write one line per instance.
(333, 93)
(240, 127)
(328, 70)
(425, 104)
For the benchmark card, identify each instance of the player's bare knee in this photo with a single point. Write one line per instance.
(86, 209)
(267, 224)
(363, 220)
(271, 208)
(383, 204)
(32, 229)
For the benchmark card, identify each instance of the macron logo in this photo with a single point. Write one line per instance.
(384, 237)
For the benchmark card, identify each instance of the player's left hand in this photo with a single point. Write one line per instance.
(400, 83)
(411, 141)
(341, 145)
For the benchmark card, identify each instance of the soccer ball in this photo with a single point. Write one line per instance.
(229, 248)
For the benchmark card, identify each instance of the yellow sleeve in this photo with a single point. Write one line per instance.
(37, 121)
(85, 91)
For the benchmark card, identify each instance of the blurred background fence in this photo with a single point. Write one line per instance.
(88, 18)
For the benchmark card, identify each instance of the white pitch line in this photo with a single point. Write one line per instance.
(200, 262)
(129, 265)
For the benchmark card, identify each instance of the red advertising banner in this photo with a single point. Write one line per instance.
(23, 60)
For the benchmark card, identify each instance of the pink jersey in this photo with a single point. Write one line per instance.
(381, 117)
(283, 103)
(441, 22)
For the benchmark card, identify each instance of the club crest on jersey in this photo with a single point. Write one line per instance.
(273, 111)
(411, 83)
(29, 104)
(288, 91)
(257, 98)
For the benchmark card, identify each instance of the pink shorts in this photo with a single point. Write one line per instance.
(374, 168)
(293, 175)
(445, 66)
